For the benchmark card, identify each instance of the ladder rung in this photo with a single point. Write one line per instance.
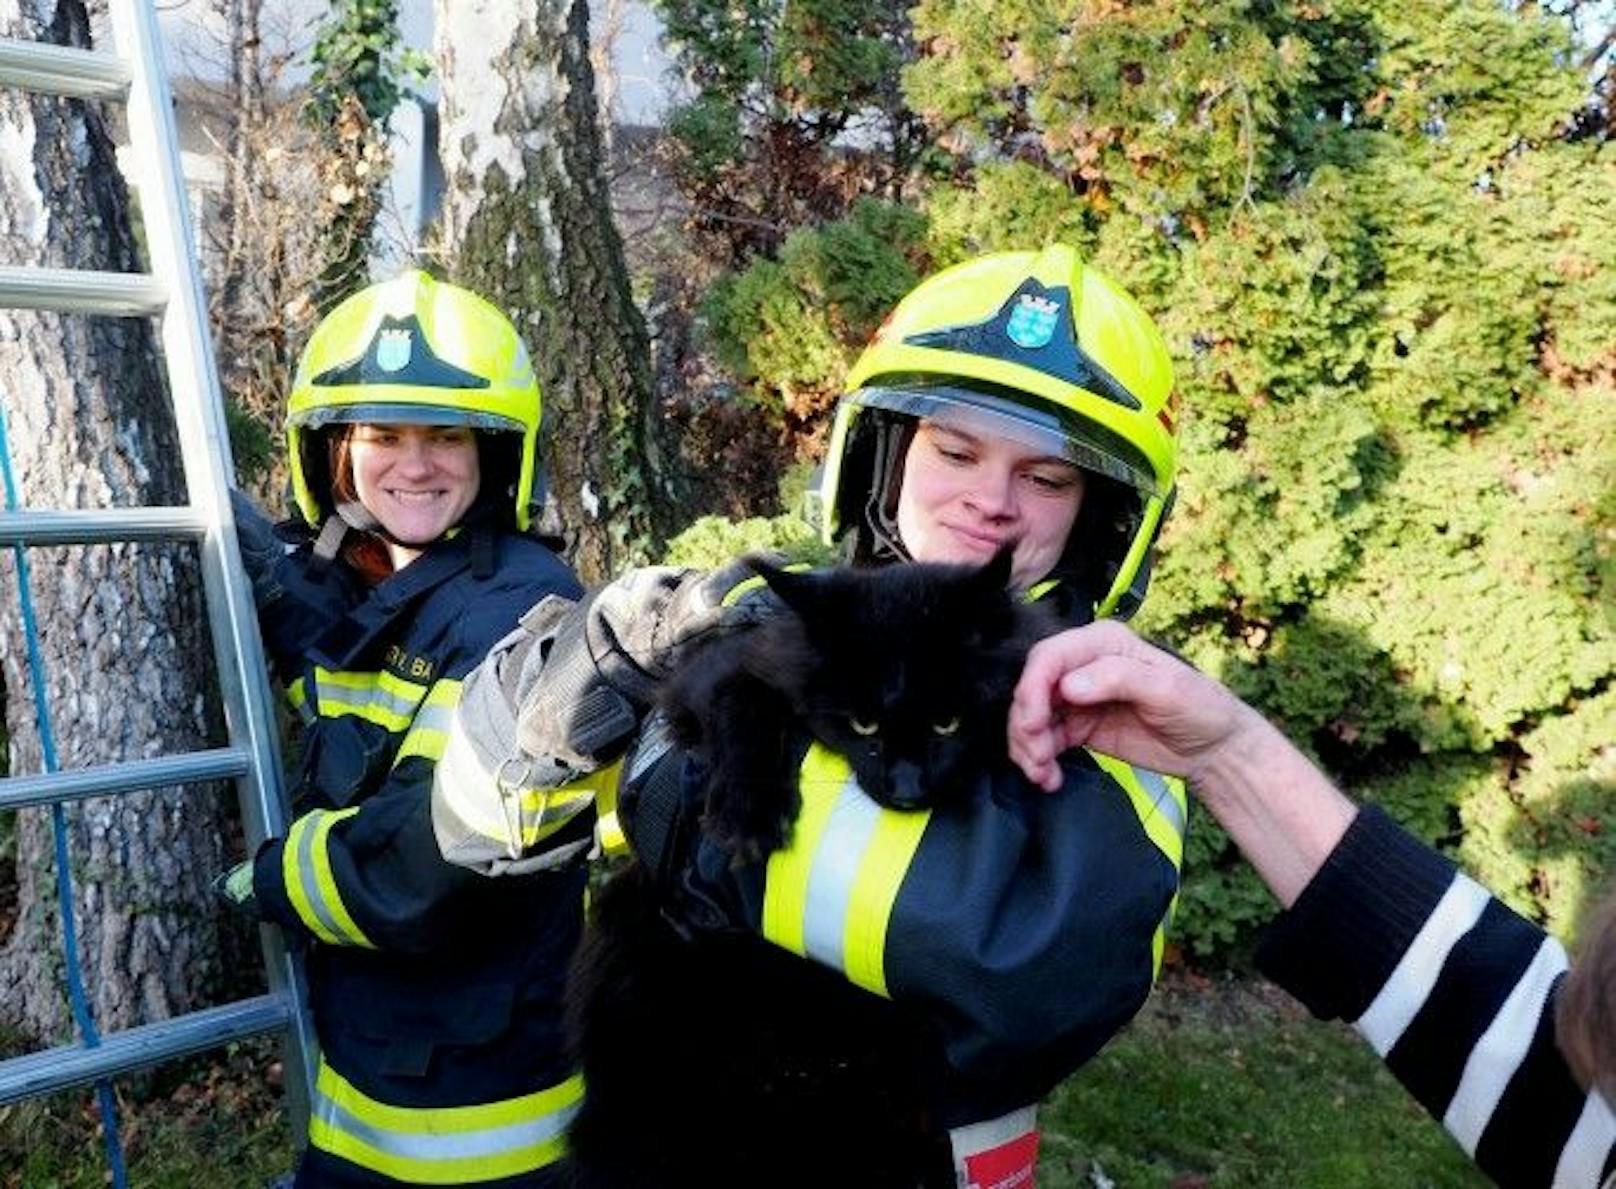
(139, 1048)
(81, 291)
(131, 776)
(62, 70)
(100, 526)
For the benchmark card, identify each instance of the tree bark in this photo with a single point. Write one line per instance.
(121, 627)
(527, 223)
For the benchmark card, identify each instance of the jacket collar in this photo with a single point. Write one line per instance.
(350, 636)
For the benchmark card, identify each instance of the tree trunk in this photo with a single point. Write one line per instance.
(527, 223)
(121, 627)
(246, 91)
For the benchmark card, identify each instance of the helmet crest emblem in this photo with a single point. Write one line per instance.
(1032, 322)
(393, 349)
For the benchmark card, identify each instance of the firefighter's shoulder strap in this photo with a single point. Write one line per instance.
(653, 807)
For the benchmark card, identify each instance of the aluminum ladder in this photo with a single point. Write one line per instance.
(172, 292)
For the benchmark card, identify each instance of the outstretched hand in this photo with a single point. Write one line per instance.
(1102, 687)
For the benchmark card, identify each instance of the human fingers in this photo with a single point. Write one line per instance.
(1033, 746)
(1114, 678)
(1034, 700)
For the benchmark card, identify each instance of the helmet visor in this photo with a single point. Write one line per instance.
(402, 413)
(1090, 446)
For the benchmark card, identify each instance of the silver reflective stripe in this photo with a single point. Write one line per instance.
(434, 717)
(375, 696)
(1162, 797)
(445, 1145)
(841, 849)
(310, 878)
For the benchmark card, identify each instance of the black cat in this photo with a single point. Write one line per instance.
(905, 671)
(712, 1057)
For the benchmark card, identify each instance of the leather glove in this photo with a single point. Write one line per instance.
(584, 674)
(261, 549)
(235, 888)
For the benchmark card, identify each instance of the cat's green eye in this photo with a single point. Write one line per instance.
(946, 728)
(860, 727)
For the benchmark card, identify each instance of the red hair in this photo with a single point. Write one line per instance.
(365, 552)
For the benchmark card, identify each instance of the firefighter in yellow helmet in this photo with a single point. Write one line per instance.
(412, 433)
(1050, 358)
(1018, 399)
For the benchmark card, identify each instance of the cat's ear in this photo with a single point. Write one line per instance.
(796, 588)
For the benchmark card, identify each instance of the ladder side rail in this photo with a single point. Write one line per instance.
(130, 776)
(205, 454)
(70, 1066)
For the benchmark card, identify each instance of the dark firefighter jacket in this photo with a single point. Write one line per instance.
(436, 995)
(1027, 926)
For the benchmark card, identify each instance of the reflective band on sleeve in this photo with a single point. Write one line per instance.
(297, 694)
(491, 816)
(429, 730)
(1159, 801)
(829, 894)
(455, 1145)
(1162, 807)
(381, 698)
(310, 885)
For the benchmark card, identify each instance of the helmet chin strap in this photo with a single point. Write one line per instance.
(350, 515)
(886, 541)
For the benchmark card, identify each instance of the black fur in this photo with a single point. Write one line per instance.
(710, 1056)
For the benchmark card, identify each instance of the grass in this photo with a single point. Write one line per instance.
(1228, 1083)
(1218, 1084)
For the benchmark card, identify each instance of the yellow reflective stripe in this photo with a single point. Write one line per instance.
(453, 1145)
(608, 827)
(1162, 806)
(829, 895)
(487, 804)
(298, 695)
(1158, 940)
(387, 700)
(897, 837)
(544, 811)
(310, 885)
(747, 585)
(1159, 801)
(785, 888)
(429, 730)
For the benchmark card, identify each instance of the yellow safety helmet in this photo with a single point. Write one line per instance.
(1054, 352)
(415, 351)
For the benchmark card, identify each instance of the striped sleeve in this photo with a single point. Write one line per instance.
(1456, 993)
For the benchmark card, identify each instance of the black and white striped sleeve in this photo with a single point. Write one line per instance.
(1456, 992)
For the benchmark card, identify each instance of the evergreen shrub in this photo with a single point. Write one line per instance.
(1381, 240)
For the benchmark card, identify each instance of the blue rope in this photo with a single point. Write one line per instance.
(64, 879)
